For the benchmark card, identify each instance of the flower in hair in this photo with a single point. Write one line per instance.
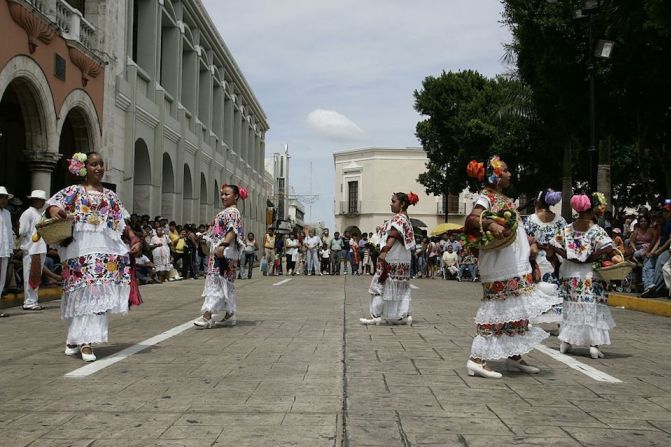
(599, 203)
(552, 197)
(494, 169)
(243, 193)
(476, 170)
(413, 199)
(581, 203)
(77, 164)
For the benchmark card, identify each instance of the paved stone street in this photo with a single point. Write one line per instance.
(278, 378)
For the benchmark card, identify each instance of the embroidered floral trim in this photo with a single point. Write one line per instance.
(510, 329)
(587, 290)
(512, 287)
(225, 221)
(92, 210)
(498, 202)
(580, 244)
(95, 269)
(401, 223)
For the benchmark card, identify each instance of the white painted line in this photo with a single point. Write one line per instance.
(96, 366)
(282, 282)
(412, 286)
(589, 371)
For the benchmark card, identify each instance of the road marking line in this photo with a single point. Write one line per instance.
(96, 366)
(412, 286)
(589, 371)
(282, 282)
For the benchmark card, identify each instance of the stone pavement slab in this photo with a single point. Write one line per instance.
(300, 370)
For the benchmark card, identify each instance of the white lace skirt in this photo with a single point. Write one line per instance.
(219, 294)
(586, 324)
(391, 300)
(84, 329)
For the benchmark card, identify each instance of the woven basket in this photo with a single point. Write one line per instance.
(55, 231)
(498, 244)
(616, 272)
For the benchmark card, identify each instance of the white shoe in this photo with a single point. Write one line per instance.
(202, 323)
(321, 274)
(564, 347)
(517, 365)
(405, 320)
(595, 352)
(372, 320)
(88, 357)
(228, 322)
(71, 351)
(476, 369)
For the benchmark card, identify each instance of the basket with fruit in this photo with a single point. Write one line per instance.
(615, 268)
(485, 240)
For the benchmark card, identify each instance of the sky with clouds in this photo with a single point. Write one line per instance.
(333, 75)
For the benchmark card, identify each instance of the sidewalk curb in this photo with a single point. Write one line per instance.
(647, 305)
(16, 299)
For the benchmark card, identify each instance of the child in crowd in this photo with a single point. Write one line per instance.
(325, 256)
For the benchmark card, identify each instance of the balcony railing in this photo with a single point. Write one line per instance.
(350, 208)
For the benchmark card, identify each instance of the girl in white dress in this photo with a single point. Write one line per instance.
(390, 286)
(96, 263)
(510, 296)
(225, 241)
(161, 253)
(542, 226)
(586, 318)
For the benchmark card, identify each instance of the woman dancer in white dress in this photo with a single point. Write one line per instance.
(390, 286)
(96, 265)
(542, 226)
(586, 318)
(510, 296)
(225, 241)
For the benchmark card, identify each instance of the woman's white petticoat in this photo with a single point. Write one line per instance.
(91, 328)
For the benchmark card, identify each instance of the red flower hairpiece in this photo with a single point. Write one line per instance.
(476, 170)
(413, 199)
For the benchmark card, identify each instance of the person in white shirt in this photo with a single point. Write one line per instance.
(34, 249)
(6, 238)
(312, 243)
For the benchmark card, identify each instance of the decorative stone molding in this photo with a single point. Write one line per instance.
(89, 66)
(36, 28)
(42, 161)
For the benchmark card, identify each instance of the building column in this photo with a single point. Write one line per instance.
(41, 165)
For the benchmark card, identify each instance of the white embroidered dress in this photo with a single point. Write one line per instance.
(586, 318)
(219, 292)
(510, 297)
(96, 265)
(543, 232)
(391, 300)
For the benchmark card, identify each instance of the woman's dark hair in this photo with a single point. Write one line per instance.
(403, 198)
(250, 234)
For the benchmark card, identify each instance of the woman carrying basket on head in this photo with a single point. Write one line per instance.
(510, 297)
(96, 263)
(224, 242)
(390, 286)
(586, 318)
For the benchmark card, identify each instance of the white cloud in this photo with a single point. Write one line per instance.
(334, 125)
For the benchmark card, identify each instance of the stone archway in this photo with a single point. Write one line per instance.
(215, 197)
(187, 196)
(167, 188)
(141, 178)
(28, 137)
(204, 214)
(75, 136)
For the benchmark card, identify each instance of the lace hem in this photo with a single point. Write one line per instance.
(553, 315)
(390, 310)
(593, 315)
(391, 289)
(584, 335)
(114, 234)
(219, 294)
(92, 328)
(95, 299)
(504, 346)
(527, 306)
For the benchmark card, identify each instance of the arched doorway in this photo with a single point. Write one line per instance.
(167, 188)
(187, 201)
(204, 214)
(21, 128)
(215, 198)
(74, 137)
(141, 178)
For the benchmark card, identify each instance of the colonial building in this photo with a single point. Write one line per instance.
(148, 83)
(366, 179)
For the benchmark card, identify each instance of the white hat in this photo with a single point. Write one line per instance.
(3, 192)
(38, 194)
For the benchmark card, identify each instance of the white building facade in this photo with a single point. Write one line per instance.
(366, 179)
(161, 98)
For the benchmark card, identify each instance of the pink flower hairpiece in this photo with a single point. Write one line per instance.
(243, 193)
(77, 164)
(581, 203)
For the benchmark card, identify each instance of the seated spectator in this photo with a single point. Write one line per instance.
(51, 272)
(451, 262)
(145, 271)
(468, 263)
